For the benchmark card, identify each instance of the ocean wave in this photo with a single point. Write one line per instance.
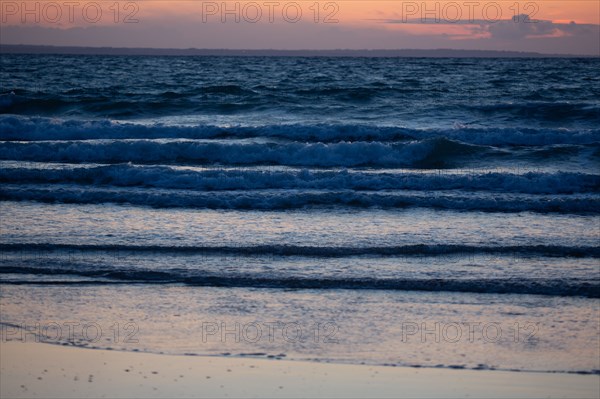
(17, 128)
(294, 199)
(123, 104)
(317, 251)
(544, 111)
(127, 175)
(431, 153)
(551, 287)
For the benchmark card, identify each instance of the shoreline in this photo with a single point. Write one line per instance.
(49, 370)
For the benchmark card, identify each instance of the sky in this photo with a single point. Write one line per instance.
(546, 26)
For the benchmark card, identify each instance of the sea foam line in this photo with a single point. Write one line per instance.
(295, 199)
(551, 287)
(14, 127)
(126, 175)
(320, 251)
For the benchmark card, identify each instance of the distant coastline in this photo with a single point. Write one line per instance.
(401, 53)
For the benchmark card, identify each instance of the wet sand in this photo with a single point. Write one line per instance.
(44, 370)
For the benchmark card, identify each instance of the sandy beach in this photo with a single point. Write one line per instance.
(52, 371)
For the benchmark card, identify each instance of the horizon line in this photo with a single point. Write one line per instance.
(339, 52)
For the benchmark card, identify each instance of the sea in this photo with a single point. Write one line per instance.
(419, 212)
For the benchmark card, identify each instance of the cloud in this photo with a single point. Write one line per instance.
(521, 27)
(517, 35)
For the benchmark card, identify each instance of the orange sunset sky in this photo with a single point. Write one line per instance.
(543, 26)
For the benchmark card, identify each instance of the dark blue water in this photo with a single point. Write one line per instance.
(519, 125)
(469, 185)
(414, 93)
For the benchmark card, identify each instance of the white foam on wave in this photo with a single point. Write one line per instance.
(293, 199)
(426, 153)
(38, 128)
(166, 177)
